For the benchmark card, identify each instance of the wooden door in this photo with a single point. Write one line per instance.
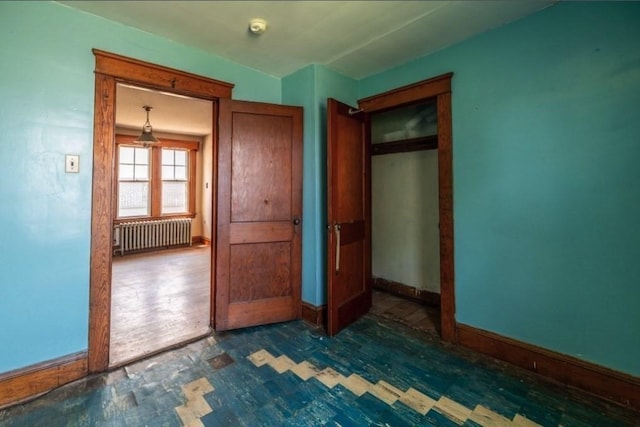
(258, 265)
(349, 216)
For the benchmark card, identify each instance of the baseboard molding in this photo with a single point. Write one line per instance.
(604, 382)
(22, 384)
(406, 291)
(200, 240)
(315, 315)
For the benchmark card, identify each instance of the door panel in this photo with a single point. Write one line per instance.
(258, 267)
(261, 172)
(349, 216)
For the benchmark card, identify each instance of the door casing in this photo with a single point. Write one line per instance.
(438, 87)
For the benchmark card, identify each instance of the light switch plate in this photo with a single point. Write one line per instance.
(72, 163)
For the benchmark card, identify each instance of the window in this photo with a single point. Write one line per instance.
(133, 182)
(155, 181)
(175, 183)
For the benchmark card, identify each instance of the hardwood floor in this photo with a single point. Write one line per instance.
(159, 299)
(411, 313)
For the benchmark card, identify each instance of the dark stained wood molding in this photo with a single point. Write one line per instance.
(101, 224)
(200, 240)
(315, 315)
(604, 382)
(445, 208)
(214, 215)
(160, 77)
(25, 383)
(405, 145)
(407, 94)
(406, 291)
(164, 142)
(440, 88)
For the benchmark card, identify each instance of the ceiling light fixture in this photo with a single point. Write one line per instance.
(146, 137)
(257, 26)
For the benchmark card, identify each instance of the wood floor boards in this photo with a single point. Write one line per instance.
(411, 313)
(159, 299)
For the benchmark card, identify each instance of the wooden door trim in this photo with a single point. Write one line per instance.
(109, 70)
(440, 88)
(160, 77)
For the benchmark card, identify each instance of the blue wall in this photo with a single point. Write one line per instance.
(46, 111)
(546, 148)
(310, 87)
(546, 176)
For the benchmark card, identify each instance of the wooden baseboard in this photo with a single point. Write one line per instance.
(604, 382)
(400, 289)
(200, 240)
(22, 384)
(317, 316)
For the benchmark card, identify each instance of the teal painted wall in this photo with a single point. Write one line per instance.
(299, 89)
(310, 87)
(546, 144)
(46, 88)
(546, 183)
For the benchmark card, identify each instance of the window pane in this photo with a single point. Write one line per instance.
(181, 173)
(174, 197)
(413, 121)
(142, 173)
(167, 173)
(142, 156)
(125, 173)
(167, 156)
(133, 199)
(126, 154)
(181, 158)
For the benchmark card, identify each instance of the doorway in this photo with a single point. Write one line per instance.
(161, 269)
(244, 191)
(405, 235)
(430, 101)
(111, 69)
(341, 118)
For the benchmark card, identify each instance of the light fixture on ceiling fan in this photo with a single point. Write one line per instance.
(146, 138)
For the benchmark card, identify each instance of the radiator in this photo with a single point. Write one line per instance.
(141, 235)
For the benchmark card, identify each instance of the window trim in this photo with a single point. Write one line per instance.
(155, 177)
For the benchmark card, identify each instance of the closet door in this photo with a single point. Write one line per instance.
(349, 216)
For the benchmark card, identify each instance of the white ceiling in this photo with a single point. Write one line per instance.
(171, 113)
(355, 38)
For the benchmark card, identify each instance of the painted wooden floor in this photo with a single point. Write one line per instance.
(376, 372)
